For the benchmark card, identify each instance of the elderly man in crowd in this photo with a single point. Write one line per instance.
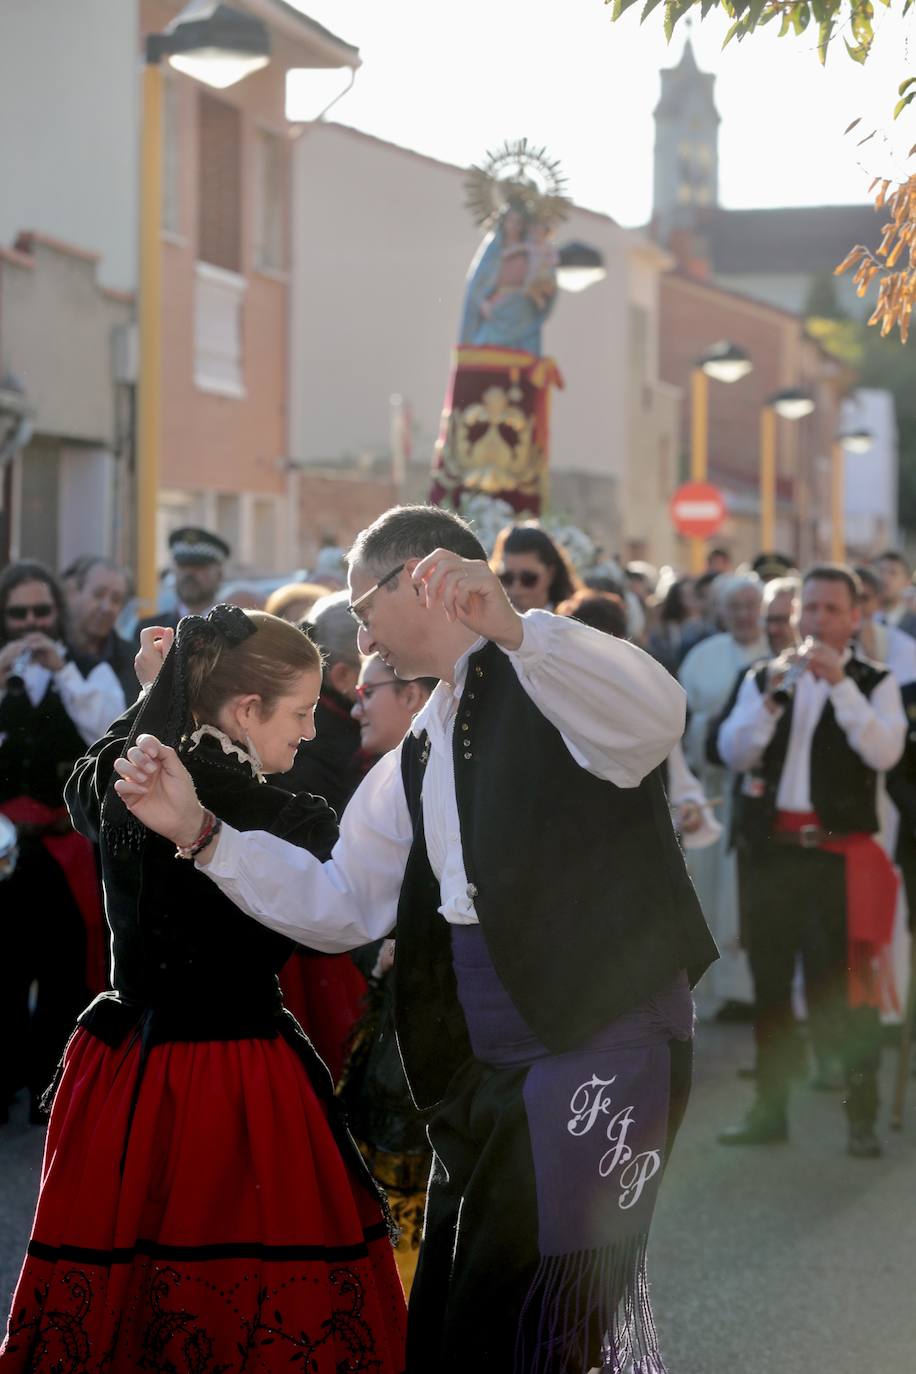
(708, 675)
(97, 592)
(326, 991)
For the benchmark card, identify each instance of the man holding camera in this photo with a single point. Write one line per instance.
(811, 730)
(53, 703)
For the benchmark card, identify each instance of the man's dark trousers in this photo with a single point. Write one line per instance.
(798, 907)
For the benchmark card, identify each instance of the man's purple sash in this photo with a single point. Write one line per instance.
(598, 1122)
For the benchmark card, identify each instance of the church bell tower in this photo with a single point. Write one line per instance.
(686, 146)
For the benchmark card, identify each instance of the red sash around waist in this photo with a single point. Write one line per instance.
(871, 904)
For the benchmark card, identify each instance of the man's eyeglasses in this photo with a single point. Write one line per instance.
(367, 690)
(527, 578)
(39, 612)
(353, 607)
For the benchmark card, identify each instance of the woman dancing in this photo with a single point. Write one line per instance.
(202, 1207)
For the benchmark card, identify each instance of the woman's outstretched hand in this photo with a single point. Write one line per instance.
(157, 788)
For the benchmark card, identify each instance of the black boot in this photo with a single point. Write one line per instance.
(765, 1124)
(861, 1104)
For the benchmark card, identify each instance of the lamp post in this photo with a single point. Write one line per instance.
(217, 45)
(856, 441)
(790, 404)
(724, 362)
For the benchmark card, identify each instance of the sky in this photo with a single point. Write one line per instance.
(453, 79)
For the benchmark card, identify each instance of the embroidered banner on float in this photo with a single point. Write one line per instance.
(494, 437)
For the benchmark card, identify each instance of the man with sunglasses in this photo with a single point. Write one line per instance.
(53, 703)
(521, 842)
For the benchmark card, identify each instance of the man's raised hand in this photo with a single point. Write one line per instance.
(155, 643)
(470, 592)
(157, 788)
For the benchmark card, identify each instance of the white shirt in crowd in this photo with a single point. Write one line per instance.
(875, 727)
(91, 702)
(618, 711)
(896, 649)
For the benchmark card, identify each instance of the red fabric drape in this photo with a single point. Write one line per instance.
(871, 903)
(76, 858)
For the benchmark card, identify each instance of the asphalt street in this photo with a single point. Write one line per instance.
(786, 1257)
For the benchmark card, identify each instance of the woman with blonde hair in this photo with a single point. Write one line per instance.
(202, 1204)
(294, 600)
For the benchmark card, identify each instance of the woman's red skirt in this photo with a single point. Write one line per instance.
(326, 994)
(227, 1236)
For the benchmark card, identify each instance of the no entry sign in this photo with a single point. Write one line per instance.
(697, 510)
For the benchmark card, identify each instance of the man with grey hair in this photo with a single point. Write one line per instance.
(97, 589)
(547, 932)
(707, 675)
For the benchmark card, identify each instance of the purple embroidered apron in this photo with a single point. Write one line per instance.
(598, 1122)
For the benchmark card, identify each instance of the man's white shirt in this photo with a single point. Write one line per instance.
(618, 711)
(875, 727)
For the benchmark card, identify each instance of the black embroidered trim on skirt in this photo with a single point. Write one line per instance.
(224, 1250)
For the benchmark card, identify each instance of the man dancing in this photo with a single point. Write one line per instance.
(521, 841)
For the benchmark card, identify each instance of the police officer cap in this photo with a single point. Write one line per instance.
(193, 545)
(771, 565)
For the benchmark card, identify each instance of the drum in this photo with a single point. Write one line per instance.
(9, 847)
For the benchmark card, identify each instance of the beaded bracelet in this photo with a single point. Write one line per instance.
(210, 829)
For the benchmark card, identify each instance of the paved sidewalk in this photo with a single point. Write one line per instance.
(782, 1258)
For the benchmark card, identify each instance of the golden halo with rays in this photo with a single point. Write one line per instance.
(517, 176)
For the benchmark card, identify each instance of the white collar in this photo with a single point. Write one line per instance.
(444, 696)
(229, 746)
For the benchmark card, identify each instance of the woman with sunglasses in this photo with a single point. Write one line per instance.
(535, 572)
(53, 702)
(390, 1131)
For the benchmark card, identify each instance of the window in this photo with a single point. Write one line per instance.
(218, 301)
(219, 184)
(272, 202)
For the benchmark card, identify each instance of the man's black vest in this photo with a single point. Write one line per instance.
(579, 885)
(843, 787)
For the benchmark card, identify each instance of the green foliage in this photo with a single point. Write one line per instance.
(854, 19)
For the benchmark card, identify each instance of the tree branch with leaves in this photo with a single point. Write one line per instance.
(893, 263)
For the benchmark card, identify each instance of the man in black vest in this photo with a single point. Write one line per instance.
(521, 840)
(811, 731)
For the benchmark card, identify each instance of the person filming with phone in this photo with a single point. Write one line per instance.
(53, 703)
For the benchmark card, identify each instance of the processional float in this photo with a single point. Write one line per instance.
(494, 436)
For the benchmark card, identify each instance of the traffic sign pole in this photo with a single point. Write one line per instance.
(697, 511)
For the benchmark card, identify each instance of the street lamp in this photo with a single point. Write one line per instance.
(580, 266)
(789, 404)
(855, 441)
(217, 45)
(724, 362)
(213, 43)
